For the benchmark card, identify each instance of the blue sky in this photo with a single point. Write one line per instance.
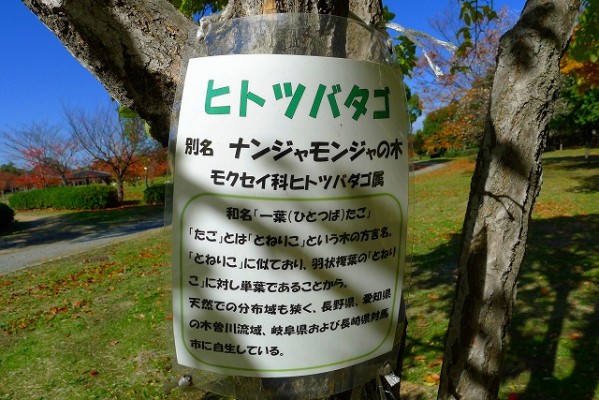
(38, 76)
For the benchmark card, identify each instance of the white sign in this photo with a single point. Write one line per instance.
(289, 219)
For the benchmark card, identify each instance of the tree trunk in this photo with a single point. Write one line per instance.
(504, 187)
(120, 190)
(135, 47)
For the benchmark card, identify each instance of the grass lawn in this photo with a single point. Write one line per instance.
(96, 325)
(553, 346)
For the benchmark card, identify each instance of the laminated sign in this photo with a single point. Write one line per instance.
(289, 219)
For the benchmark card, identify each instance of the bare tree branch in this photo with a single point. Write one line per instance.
(110, 140)
(133, 47)
(43, 146)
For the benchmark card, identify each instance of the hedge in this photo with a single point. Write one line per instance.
(91, 197)
(7, 215)
(155, 194)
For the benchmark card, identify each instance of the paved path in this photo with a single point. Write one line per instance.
(49, 238)
(422, 167)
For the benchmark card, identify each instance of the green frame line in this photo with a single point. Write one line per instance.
(398, 273)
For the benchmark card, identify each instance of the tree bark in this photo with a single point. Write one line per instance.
(506, 182)
(135, 47)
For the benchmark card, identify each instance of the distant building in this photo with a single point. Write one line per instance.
(88, 177)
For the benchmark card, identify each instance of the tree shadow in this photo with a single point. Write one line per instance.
(573, 162)
(443, 275)
(587, 183)
(80, 226)
(554, 330)
(557, 315)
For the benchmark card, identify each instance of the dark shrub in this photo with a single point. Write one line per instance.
(90, 197)
(7, 215)
(156, 194)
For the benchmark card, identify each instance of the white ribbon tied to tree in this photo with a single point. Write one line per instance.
(416, 36)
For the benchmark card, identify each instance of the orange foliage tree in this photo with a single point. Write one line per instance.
(463, 91)
(576, 119)
(45, 148)
(582, 58)
(148, 166)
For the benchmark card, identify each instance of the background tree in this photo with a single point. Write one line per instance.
(436, 138)
(153, 162)
(44, 148)
(139, 60)
(464, 90)
(8, 177)
(470, 66)
(414, 106)
(148, 166)
(110, 140)
(459, 124)
(576, 121)
(418, 144)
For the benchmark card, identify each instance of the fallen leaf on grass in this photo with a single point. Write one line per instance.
(57, 310)
(433, 297)
(421, 324)
(432, 378)
(76, 304)
(575, 335)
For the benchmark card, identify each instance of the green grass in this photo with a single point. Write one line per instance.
(553, 346)
(553, 343)
(96, 325)
(90, 326)
(135, 192)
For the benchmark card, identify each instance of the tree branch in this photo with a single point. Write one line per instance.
(133, 47)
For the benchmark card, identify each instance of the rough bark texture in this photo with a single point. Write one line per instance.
(135, 47)
(505, 185)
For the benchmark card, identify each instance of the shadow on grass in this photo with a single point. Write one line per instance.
(554, 330)
(573, 162)
(80, 226)
(556, 320)
(587, 183)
